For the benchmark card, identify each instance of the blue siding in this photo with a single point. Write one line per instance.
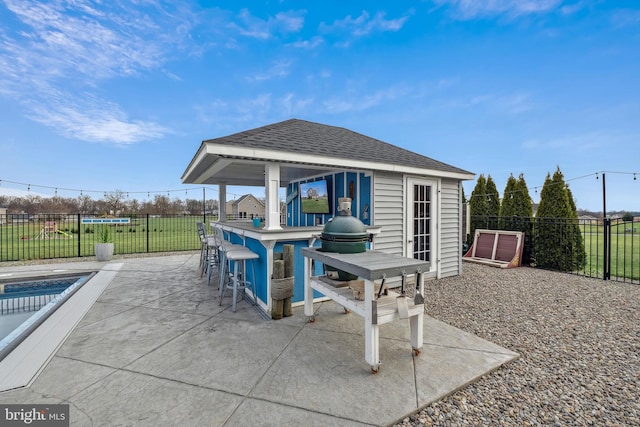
(298, 267)
(365, 199)
(337, 186)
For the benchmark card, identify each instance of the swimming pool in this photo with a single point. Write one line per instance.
(24, 305)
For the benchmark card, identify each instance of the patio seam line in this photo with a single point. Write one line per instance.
(83, 389)
(170, 339)
(241, 395)
(162, 271)
(470, 381)
(275, 359)
(130, 307)
(511, 353)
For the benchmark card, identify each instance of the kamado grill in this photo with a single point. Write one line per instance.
(344, 234)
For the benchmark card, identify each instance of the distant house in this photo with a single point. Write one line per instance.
(312, 193)
(3, 215)
(247, 206)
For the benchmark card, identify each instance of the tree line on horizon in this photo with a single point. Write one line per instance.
(116, 202)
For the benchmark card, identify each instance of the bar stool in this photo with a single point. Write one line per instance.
(219, 245)
(234, 281)
(207, 243)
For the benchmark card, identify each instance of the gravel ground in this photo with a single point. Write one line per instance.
(578, 340)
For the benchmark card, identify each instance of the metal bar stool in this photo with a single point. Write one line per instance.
(234, 281)
(207, 243)
(219, 245)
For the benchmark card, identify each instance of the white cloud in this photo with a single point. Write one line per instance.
(365, 24)
(625, 17)
(93, 120)
(278, 69)
(588, 142)
(262, 108)
(308, 44)
(360, 102)
(64, 49)
(514, 103)
(470, 9)
(263, 29)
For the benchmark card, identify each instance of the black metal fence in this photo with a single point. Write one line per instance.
(608, 249)
(43, 236)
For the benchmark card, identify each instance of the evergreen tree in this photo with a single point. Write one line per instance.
(524, 202)
(493, 199)
(516, 212)
(508, 207)
(578, 250)
(478, 206)
(558, 241)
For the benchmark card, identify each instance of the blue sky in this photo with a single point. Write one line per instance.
(118, 95)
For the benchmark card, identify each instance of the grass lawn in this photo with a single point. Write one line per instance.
(27, 240)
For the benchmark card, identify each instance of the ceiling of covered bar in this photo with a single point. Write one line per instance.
(233, 171)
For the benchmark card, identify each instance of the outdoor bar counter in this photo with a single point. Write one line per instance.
(264, 243)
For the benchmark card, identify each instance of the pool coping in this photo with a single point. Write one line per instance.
(23, 365)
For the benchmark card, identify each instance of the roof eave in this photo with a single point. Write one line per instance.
(337, 162)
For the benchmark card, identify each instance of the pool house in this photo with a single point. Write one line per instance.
(410, 204)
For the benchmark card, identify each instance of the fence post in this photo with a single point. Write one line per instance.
(607, 249)
(79, 234)
(147, 233)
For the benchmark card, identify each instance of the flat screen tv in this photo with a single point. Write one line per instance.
(314, 197)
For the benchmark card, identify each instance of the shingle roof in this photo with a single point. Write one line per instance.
(304, 137)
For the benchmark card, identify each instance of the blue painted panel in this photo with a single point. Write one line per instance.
(339, 186)
(352, 182)
(298, 267)
(365, 199)
(293, 207)
(336, 185)
(260, 267)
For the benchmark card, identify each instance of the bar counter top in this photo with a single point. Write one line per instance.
(246, 229)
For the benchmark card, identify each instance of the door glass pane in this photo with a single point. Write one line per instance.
(422, 222)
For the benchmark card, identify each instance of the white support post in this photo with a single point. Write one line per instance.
(308, 291)
(416, 322)
(272, 200)
(371, 328)
(222, 203)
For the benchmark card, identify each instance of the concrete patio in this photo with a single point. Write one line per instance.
(156, 349)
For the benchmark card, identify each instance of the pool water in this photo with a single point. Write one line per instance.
(26, 304)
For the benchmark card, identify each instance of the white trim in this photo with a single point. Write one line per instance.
(434, 231)
(324, 161)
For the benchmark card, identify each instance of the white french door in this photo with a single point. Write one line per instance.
(421, 211)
